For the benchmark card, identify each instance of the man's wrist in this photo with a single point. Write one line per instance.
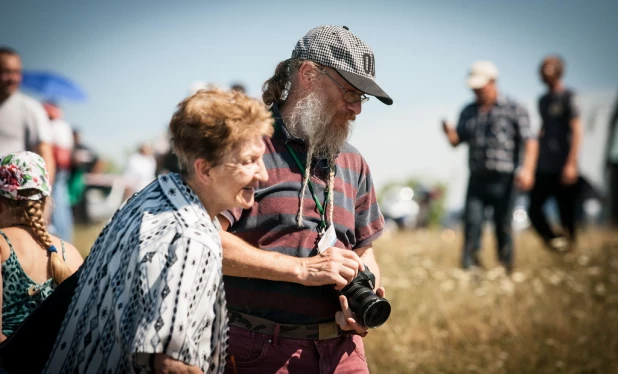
(299, 272)
(570, 164)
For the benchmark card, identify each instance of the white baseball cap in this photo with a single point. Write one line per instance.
(481, 73)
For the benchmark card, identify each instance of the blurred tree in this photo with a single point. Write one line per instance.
(111, 166)
(429, 196)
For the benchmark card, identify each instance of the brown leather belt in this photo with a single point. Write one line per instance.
(320, 331)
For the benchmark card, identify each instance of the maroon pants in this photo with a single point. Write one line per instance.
(250, 352)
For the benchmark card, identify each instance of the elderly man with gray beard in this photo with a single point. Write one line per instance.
(311, 229)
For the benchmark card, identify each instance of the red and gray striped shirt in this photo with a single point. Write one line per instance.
(271, 225)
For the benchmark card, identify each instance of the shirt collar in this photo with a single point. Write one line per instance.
(184, 199)
(283, 130)
(500, 102)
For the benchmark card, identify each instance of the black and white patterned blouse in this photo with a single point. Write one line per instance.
(151, 284)
(494, 138)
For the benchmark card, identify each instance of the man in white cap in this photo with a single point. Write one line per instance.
(495, 129)
(311, 229)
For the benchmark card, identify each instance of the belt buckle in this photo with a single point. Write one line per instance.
(328, 331)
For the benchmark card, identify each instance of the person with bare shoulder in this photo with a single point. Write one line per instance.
(33, 261)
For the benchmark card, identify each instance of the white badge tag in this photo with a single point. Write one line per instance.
(328, 239)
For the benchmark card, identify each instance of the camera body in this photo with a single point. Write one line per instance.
(370, 309)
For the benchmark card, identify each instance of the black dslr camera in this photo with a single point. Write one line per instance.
(370, 309)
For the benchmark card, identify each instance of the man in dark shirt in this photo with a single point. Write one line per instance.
(495, 129)
(559, 142)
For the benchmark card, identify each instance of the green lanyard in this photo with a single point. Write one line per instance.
(315, 197)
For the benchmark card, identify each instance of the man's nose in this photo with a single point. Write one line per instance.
(356, 107)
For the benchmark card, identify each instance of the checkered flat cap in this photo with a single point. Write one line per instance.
(338, 48)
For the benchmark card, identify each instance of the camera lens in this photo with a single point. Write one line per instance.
(370, 309)
(377, 313)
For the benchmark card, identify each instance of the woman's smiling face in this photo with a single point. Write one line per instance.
(239, 174)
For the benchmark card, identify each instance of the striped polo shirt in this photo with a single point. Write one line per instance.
(270, 224)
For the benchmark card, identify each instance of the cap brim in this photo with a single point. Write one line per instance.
(368, 86)
(478, 81)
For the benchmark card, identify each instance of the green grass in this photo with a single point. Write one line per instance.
(555, 314)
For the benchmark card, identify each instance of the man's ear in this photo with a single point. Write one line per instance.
(307, 74)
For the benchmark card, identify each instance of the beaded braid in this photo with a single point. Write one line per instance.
(274, 87)
(30, 213)
(277, 88)
(275, 91)
(331, 190)
(306, 177)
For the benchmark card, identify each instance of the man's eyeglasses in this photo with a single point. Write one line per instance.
(348, 95)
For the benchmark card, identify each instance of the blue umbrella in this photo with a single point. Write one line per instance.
(52, 86)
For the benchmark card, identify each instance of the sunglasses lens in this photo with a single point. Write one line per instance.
(351, 97)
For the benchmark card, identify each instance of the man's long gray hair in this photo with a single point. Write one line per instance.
(312, 120)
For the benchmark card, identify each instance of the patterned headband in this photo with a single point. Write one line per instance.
(21, 171)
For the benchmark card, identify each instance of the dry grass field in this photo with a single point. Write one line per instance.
(554, 314)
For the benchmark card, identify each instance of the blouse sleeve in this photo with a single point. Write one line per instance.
(184, 300)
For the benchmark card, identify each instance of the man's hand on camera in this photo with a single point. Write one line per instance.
(333, 266)
(346, 318)
(164, 364)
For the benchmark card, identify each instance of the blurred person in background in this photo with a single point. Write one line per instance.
(62, 148)
(24, 125)
(150, 296)
(557, 172)
(612, 166)
(239, 87)
(33, 261)
(167, 161)
(140, 170)
(495, 128)
(84, 160)
(314, 221)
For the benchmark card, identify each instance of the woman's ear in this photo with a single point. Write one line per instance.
(202, 169)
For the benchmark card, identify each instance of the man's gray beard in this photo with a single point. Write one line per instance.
(312, 121)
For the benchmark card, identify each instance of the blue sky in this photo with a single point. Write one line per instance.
(137, 59)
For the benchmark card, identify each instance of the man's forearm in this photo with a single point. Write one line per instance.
(453, 138)
(241, 259)
(576, 139)
(367, 257)
(531, 154)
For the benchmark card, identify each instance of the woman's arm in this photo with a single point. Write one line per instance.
(2, 336)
